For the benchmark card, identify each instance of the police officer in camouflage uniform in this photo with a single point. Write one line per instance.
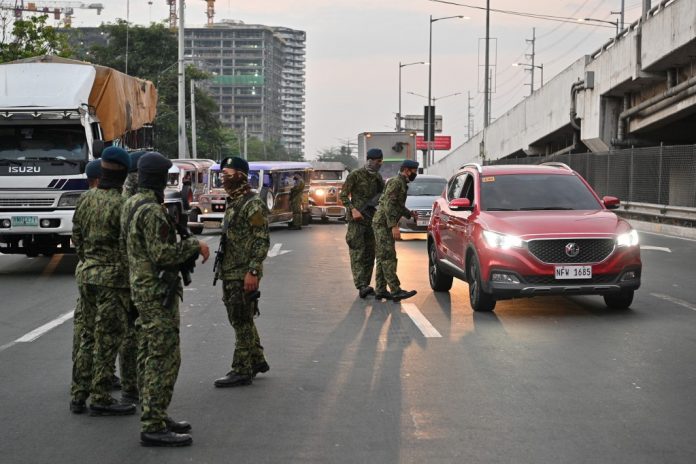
(362, 186)
(93, 173)
(296, 193)
(245, 243)
(103, 288)
(392, 206)
(128, 352)
(154, 257)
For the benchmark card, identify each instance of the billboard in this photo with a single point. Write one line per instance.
(442, 142)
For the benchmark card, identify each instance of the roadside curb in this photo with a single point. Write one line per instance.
(666, 229)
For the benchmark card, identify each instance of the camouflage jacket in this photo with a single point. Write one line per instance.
(130, 186)
(392, 205)
(296, 192)
(360, 186)
(247, 237)
(97, 237)
(154, 255)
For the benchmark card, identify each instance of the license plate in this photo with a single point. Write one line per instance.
(25, 221)
(422, 222)
(573, 272)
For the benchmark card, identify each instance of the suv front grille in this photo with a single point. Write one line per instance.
(26, 202)
(551, 280)
(591, 250)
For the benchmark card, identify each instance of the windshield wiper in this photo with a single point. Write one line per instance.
(548, 208)
(57, 160)
(5, 162)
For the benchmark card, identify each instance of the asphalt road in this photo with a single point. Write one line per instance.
(545, 380)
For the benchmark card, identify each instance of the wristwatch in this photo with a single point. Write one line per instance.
(254, 272)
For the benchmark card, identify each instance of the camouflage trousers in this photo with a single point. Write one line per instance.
(159, 358)
(386, 257)
(361, 245)
(247, 349)
(296, 213)
(99, 325)
(128, 353)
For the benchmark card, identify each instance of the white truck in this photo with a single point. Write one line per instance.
(55, 116)
(396, 146)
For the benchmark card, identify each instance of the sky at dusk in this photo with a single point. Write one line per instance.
(354, 48)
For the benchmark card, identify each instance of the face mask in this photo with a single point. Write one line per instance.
(412, 177)
(373, 165)
(232, 183)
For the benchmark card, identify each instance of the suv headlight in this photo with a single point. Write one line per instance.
(496, 240)
(69, 200)
(627, 239)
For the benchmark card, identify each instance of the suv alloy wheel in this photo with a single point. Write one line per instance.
(479, 300)
(438, 281)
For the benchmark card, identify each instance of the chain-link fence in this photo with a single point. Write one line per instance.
(662, 175)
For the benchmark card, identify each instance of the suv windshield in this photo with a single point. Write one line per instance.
(426, 187)
(57, 142)
(527, 192)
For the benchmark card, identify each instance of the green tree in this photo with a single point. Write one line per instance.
(342, 154)
(32, 37)
(152, 55)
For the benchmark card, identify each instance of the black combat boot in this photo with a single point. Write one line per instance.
(130, 398)
(261, 367)
(165, 437)
(177, 426)
(382, 295)
(232, 379)
(77, 406)
(365, 291)
(113, 408)
(402, 295)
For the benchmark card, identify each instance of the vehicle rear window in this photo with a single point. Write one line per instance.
(529, 192)
(426, 187)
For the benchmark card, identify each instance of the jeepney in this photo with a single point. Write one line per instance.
(272, 180)
(324, 191)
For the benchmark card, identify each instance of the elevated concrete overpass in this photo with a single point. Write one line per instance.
(639, 89)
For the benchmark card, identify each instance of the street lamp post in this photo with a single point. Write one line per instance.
(531, 68)
(430, 122)
(398, 115)
(613, 23)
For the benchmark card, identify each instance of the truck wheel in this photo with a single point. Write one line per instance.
(438, 281)
(267, 196)
(480, 301)
(621, 300)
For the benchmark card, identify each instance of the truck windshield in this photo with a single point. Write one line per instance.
(44, 142)
(326, 175)
(529, 192)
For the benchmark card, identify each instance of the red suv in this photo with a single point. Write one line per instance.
(522, 231)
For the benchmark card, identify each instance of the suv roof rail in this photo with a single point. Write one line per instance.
(557, 164)
(475, 165)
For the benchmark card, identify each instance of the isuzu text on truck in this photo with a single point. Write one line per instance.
(55, 116)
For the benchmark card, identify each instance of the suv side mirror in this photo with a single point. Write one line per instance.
(97, 148)
(460, 204)
(611, 202)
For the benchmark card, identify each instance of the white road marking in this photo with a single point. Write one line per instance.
(676, 301)
(275, 250)
(656, 248)
(420, 320)
(36, 333)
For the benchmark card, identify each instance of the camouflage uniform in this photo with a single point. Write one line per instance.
(246, 246)
(391, 207)
(154, 256)
(296, 202)
(360, 186)
(102, 309)
(130, 186)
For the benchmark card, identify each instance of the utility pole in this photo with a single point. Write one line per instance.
(183, 145)
(194, 151)
(531, 56)
(623, 11)
(490, 97)
(486, 88)
(470, 118)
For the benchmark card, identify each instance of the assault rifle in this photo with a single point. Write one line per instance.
(185, 269)
(370, 208)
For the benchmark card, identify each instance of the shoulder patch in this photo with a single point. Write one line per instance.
(164, 231)
(257, 219)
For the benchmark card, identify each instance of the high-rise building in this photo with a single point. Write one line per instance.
(259, 76)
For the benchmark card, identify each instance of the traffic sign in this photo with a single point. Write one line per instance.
(441, 142)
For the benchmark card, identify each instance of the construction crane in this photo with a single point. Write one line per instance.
(173, 18)
(66, 9)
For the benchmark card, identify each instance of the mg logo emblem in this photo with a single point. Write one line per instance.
(572, 249)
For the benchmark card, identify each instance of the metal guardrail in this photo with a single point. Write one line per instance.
(664, 214)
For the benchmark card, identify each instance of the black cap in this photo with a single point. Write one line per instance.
(134, 158)
(374, 153)
(93, 169)
(235, 162)
(409, 164)
(153, 162)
